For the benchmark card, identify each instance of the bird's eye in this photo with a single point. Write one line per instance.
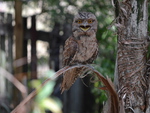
(90, 21)
(79, 21)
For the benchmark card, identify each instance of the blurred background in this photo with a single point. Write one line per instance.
(32, 35)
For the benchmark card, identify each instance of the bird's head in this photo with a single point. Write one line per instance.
(84, 23)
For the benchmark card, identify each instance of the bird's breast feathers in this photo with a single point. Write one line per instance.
(86, 49)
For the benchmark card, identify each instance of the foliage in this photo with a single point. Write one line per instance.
(105, 63)
(43, 100)
(62, 11)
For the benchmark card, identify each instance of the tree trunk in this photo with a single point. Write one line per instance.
(18, 32)
(130, 78)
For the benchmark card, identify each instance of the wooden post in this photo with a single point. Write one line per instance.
(25, 43)
(33, 48)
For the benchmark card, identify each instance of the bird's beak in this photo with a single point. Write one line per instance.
(84, 28)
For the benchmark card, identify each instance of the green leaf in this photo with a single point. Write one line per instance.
(51, 105)
(45, 91)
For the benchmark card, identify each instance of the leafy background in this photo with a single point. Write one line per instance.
(50, 12)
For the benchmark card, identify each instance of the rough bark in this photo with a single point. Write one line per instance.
(132, 22)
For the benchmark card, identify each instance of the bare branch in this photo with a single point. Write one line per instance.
(13, 80)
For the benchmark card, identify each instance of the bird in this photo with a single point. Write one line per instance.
(80, 48)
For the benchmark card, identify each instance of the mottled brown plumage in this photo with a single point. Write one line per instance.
(80, 48)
